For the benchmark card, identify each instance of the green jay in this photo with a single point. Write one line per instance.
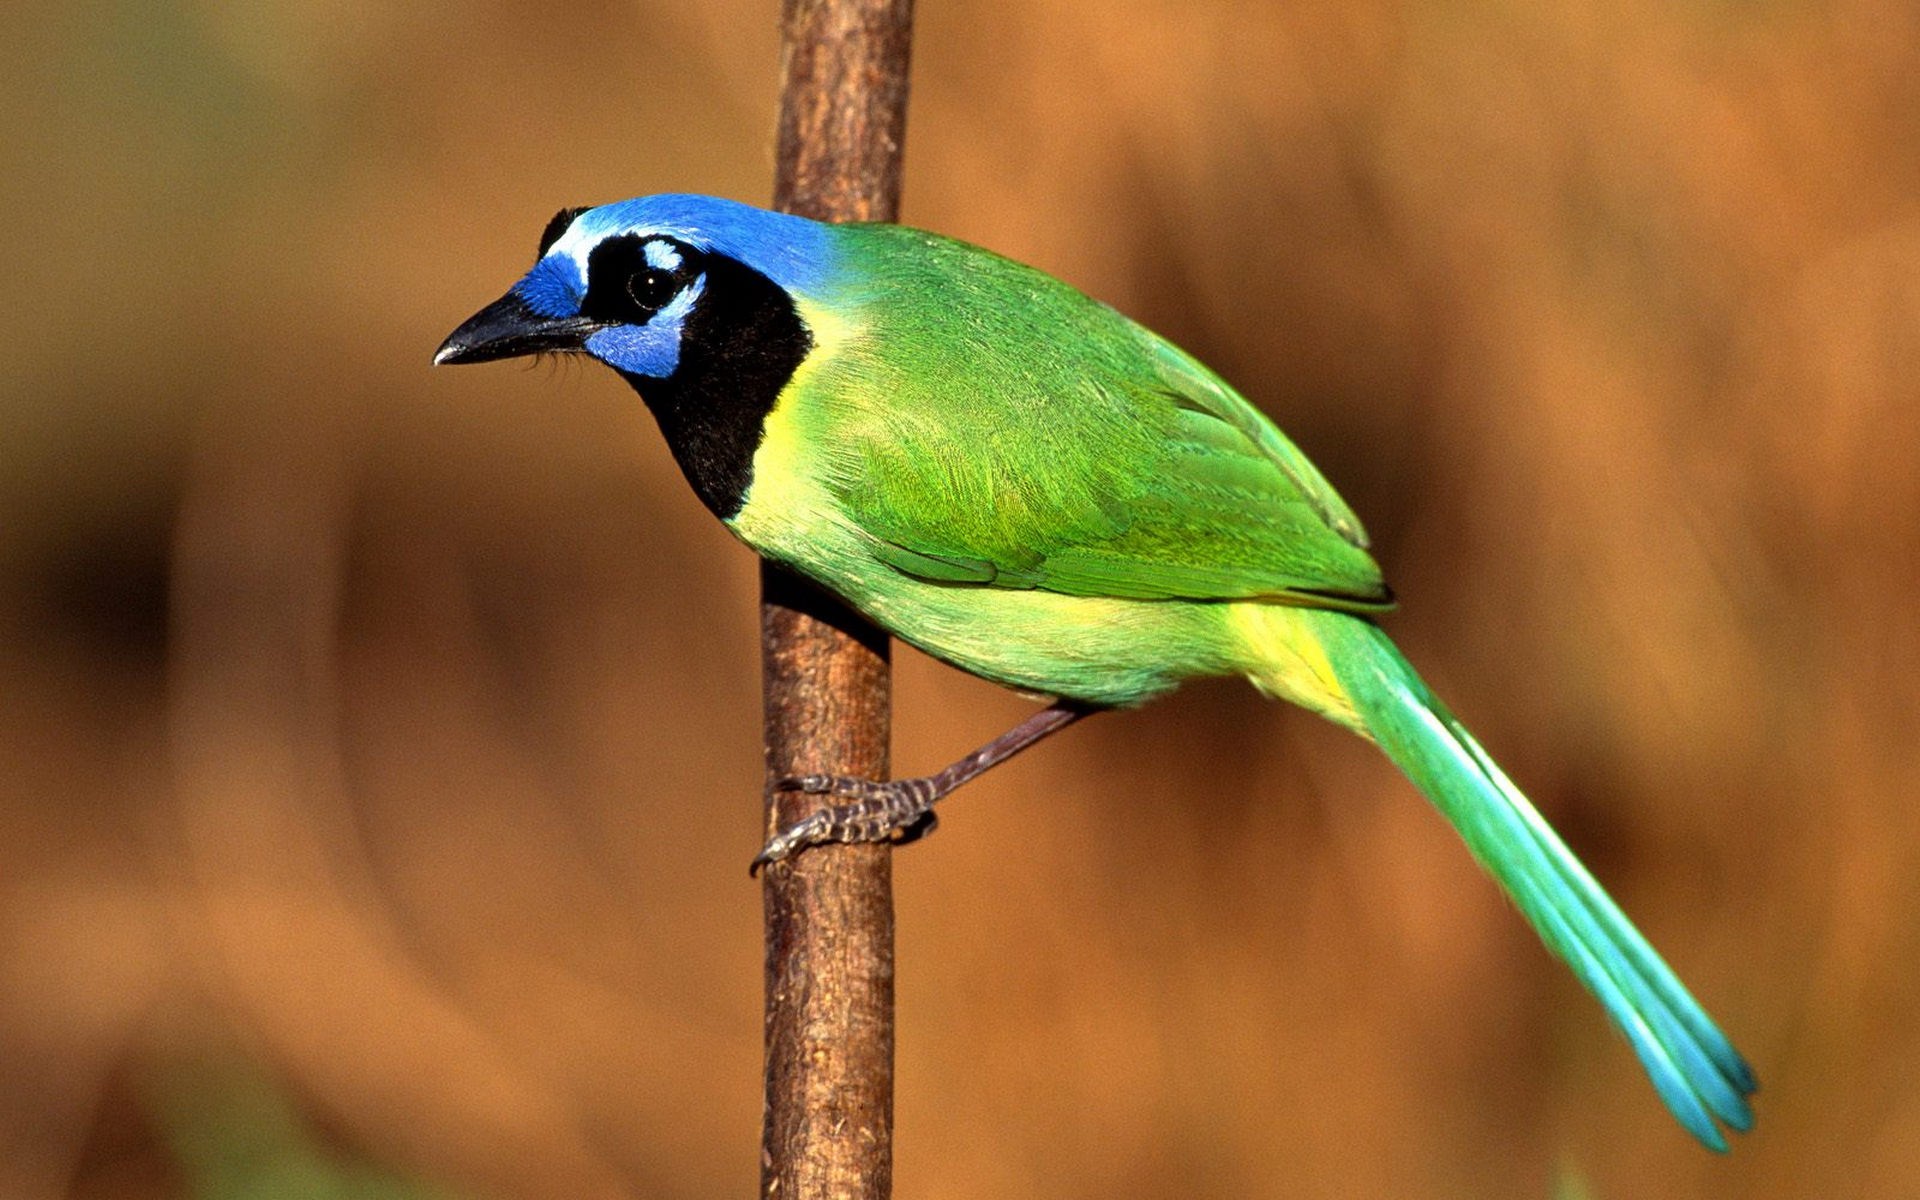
(1028, 485)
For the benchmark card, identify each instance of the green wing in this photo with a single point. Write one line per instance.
(1098, 460)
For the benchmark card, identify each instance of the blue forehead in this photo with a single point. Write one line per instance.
(797, 254)
(554, 287)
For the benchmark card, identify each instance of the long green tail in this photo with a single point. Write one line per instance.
(1696, 1070)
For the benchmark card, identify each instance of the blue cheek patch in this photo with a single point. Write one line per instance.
(554, 287)
(652, 349)
(638, 349)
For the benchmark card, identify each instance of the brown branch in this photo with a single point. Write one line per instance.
(829, 911)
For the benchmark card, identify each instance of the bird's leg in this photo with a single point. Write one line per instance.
(902, 809)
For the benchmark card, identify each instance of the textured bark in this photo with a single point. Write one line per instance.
(829, 910)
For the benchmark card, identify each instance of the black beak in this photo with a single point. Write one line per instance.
(508, 328)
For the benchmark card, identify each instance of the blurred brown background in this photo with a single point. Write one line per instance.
(379, 748)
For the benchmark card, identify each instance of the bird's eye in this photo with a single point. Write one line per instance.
(650, 289)
(631, 277)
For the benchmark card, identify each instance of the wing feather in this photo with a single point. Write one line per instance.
(1113, 465)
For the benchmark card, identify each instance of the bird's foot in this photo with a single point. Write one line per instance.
(900, 810)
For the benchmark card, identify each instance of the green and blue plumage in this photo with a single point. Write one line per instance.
(1028, 485)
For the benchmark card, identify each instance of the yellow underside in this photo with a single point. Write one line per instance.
(1288, 660)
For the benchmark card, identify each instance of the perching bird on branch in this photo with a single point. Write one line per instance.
(1026, 484)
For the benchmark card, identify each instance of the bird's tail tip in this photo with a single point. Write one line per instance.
(1698, 1074)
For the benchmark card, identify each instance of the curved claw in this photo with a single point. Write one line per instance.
(807, 831)
(812, 785)
(917, 828)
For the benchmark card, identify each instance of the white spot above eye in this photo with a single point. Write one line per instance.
(662, 256)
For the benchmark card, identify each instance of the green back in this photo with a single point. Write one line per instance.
(988, 424)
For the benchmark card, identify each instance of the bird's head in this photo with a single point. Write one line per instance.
(643, 285)
(703, 305)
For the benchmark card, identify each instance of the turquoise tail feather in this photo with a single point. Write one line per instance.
(1691, 1063)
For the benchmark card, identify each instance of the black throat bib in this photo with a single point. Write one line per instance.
(740, 347)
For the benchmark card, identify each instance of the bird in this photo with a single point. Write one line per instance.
(1028, 485)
